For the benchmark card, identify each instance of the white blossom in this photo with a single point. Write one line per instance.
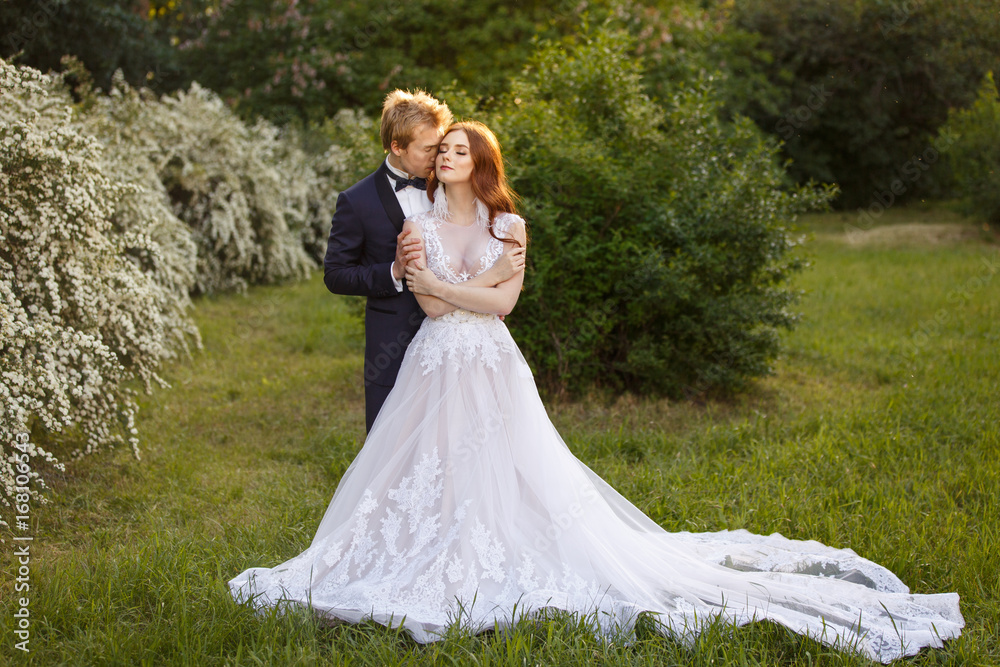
(112, 213)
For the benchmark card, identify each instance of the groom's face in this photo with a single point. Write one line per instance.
(417, 158)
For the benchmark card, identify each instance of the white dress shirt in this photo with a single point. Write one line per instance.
(412, 200)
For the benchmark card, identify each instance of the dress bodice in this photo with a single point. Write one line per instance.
(456, 253)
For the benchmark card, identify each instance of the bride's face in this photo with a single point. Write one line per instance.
(454, 161)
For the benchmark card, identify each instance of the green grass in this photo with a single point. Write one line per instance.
(880, 431)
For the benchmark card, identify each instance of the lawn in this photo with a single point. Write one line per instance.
(879, 431)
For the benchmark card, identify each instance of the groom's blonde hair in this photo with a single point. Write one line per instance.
(403, 112)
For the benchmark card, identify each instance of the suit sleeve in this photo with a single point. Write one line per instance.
(344, 269)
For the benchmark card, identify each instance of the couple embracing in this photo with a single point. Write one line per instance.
(465, 506)
(368, 250)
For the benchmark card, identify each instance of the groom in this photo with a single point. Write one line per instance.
(366, 253)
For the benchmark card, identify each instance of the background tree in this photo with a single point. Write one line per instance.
(105, 35)
(309, 59)
(975, 153)
(866, 85)
(854, 90)
(285, 59)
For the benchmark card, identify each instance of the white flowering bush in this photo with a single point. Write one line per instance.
(150, 235)
(256, 205)
(113, 211)
(242, 191)
(95, 272)
(353, 151)
(311, 190)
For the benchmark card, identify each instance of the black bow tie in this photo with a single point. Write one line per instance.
(418, 183)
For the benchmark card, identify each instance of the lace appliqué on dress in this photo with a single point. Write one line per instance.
(420, 564)
(480, 337)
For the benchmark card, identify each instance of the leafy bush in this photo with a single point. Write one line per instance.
(659, 242)
(355, 149)
(684, 41)
(93, 294)
(352, 151)
(975, 154)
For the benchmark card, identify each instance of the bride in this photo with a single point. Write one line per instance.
(465, 505)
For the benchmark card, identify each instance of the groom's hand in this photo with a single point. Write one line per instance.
(407, 249)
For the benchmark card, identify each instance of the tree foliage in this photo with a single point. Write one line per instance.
(975, 152)
(660, 252)
(105, 35)
(866, 85)
(309, 59)
(854, 90)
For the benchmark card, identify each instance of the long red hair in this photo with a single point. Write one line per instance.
(489, 181)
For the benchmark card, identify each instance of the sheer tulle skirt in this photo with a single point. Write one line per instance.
(465, 505)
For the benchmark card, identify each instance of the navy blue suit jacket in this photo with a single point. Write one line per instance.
(358, 261)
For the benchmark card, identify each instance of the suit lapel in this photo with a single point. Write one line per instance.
(388, 198)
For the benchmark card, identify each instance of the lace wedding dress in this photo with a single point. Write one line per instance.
(465, 505)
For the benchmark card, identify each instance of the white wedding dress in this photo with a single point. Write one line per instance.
(465, 505)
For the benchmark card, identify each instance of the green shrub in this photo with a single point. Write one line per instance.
(975, 154)
(659, 242)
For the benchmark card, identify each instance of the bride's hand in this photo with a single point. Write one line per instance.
(509, 263)
(420, 279)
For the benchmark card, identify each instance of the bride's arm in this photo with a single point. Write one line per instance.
(509, 263)
(431, 305)
(498, 300)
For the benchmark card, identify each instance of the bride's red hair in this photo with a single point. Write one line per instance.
(489, 181)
